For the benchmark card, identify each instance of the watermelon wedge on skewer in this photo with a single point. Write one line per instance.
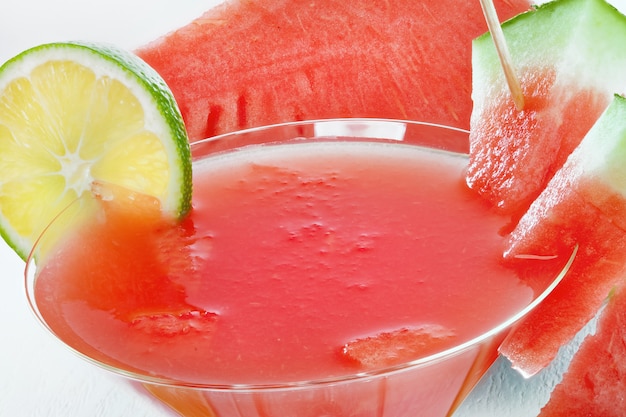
(584, 204)
(250, 63)
(570, 58)
(518, 160)
(595, 382)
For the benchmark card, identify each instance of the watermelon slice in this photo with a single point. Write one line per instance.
(570, 58)
(584, 204)
(595, 382)
(250, 63)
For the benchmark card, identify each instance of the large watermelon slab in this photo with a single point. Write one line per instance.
(584, 204)
(247, 63)
(571, 59)
(595, 382)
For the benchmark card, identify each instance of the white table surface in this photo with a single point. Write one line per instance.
(38, 375)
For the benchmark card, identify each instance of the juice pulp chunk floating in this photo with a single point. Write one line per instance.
(292, 258)
(395, 59)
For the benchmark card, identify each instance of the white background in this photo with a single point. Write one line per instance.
(38, 376)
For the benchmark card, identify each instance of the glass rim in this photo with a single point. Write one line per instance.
(30, 272)
(332, 123)
(344, 120)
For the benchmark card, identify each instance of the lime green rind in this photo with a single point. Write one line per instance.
(581, 39)
(601, 155)
(18, 246)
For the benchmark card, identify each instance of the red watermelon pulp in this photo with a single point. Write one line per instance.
(250, 63)
(585, 203)
(569, 56)
(595, 383)
(580, 206)
(571, 59)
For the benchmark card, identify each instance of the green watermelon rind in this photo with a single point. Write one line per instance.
(576, 37)
(601, 154)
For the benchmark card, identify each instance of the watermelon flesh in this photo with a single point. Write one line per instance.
(584, 204)
(251, 63)
(570, 58)
(595, 382)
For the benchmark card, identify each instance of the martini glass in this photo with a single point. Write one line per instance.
(168, 357)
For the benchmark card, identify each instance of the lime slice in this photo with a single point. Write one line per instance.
(76, 114)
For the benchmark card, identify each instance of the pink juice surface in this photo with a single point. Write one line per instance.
(297, 262)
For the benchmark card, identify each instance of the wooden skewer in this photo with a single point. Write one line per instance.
(493, 23)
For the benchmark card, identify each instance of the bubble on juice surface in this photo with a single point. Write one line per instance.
(390, 348)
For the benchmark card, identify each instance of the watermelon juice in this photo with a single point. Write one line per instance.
(306, 277)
